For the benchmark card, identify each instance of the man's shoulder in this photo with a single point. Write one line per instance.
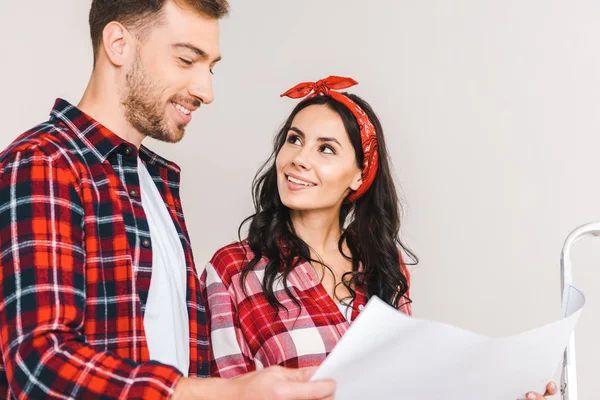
(49, 138)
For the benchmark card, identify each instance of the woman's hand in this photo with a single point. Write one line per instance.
(551, 390)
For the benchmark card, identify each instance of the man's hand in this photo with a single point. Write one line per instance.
(274, 383)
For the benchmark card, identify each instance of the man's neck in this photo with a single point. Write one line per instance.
(102, 101)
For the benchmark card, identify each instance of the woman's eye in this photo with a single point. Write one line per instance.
(185, 61)
(293, 139)
(327, 150)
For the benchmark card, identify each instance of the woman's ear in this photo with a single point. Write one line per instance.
(357, 181)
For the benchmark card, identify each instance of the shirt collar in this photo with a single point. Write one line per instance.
(100, 140)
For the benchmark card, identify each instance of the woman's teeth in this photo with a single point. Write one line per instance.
(299, 182)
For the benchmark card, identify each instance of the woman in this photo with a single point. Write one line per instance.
(324, 239)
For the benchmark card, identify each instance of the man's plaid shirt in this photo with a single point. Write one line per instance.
(76, 263)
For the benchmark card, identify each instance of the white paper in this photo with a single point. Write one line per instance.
(388, 355)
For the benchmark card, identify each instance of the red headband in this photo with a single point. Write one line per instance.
(367, 130)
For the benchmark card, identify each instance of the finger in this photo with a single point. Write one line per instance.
(300, 374)
(551, 389)
(534, 396)
(307, 390)
(327, 398)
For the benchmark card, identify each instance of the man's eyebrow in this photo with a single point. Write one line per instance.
(201, 53)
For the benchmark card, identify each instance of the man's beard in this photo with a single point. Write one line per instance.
(143, 109)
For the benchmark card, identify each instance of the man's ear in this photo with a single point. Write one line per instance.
(118, 44)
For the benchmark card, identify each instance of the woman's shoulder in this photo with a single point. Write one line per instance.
(232, 254)
(229, 260)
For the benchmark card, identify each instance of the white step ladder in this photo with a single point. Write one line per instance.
(569, 371)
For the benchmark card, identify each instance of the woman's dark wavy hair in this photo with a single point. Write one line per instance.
(370, 226)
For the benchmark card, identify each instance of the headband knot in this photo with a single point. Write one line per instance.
(321, 87)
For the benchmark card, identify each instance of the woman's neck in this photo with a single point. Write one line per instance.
(319, 229)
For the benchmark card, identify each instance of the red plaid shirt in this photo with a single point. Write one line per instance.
(248, 334)
(76, 262)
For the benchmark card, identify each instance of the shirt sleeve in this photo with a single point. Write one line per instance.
(43, 292)
(229, 351)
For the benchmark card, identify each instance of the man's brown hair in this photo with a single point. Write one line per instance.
(140, 14)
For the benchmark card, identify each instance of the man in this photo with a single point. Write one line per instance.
(99, 295)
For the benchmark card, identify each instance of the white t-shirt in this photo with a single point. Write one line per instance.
(166, 320)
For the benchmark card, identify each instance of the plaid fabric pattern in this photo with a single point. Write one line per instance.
(76, 263)
(248, 334)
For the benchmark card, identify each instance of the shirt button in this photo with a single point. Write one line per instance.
(128, 150)
(146, 243)
(361, 307)
(133, 193)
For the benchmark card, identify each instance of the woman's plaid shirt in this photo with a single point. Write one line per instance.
(76, 263)
(247, 333)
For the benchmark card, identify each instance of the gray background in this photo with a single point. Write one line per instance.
(491, 111)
